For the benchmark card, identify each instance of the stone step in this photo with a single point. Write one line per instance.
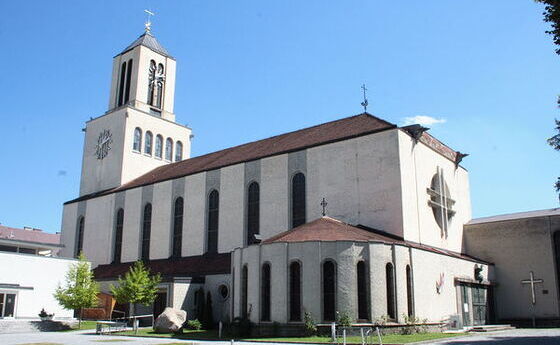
(32, 326)
(490, 328)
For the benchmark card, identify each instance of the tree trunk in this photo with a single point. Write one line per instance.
(80, 318)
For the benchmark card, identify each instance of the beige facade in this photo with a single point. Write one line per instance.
(518, 244)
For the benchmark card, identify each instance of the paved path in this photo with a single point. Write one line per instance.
(516, 337)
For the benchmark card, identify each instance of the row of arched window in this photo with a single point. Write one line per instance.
(328, 291)
(123, 91)
(212, 220)
(157, 148)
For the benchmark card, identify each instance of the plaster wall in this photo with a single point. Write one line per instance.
(359, 178)
(162, 221)
(132, 224)
(517, 247)
(220, 306)
(427, 268)
(97, 243)
(38, 277)
(232, 193)
(68, 229)
(194, 221)
(273, 195)
(418, 164)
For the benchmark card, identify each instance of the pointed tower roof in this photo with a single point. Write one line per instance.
(149, 41)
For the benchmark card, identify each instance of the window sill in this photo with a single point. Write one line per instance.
(136, 151)
(147, 154)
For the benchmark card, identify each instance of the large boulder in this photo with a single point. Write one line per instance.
(170, 321)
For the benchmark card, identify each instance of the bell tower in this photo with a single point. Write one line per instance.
(138, 132)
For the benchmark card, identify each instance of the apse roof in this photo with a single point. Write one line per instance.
(327, 229)
(149, 41)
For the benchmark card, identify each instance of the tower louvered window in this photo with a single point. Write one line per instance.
(156, 79)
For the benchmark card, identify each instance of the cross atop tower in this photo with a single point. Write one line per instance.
(365, 102)
(148, 23)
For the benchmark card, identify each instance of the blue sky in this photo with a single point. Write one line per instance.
(251, 69)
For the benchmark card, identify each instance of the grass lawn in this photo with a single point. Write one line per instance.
(212, 335)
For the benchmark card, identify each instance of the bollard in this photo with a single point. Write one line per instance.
(231, 343)
(344, 337)
(379, 335)
(333, 331)
(362, 334)
(220, 330)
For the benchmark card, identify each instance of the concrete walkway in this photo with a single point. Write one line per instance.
(515, 337)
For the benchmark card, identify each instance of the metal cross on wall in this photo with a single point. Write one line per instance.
(532, 281)
(324, 204)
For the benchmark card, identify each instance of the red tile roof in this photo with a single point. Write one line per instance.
(333, 131)
(327, 229)
(343, 129)
(190, 266)
(28, 235)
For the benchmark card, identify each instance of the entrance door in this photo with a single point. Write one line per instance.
(479, 305)
(7, 304)
(160, 303)
(465, 305)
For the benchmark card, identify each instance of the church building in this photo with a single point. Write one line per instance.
(356, 216)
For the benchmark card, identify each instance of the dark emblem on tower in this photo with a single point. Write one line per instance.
(103, 145)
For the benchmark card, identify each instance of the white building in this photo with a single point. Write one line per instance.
(30, 273)
(356, 215)
(391, 244)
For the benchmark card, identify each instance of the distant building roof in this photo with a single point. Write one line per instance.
(30, 235)
(518, 215)
(149, 41)
(327, 229)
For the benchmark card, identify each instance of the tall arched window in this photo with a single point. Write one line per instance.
(409, 298)
(178, 227)
(390, 281)
(118, 236)
(146, 232)
(178, 151)
(298, 200)
(212, 226)
(329, 290)
(244, 291)
(168, 149)
(253, 206)
(148, 141)
(295, 291)
(79, 237)
(159, 85)
(128, 77)
(265, 292)
(361, 272)
(159, 146)
(151, 82)
(137, 143)
(120, 95)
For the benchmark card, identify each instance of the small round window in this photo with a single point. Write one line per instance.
(223, 291)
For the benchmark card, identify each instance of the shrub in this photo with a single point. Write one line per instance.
(344, 319)
(309, 323)
(241, 327)
(194, 325)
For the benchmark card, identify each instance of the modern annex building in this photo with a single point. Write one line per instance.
(356, 215)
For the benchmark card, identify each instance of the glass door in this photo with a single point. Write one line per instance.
(465, 305)
(7, 304)
(479, 305)
(2, 297)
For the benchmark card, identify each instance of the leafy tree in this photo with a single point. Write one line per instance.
(80, 290)
(137, 286)
(552, 15)
(554, 141)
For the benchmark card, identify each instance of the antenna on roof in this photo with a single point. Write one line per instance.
(148, 23)
(365, 102)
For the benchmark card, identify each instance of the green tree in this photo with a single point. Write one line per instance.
(554, 141)
(137, 286)
(552, 15)
(80, 290)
